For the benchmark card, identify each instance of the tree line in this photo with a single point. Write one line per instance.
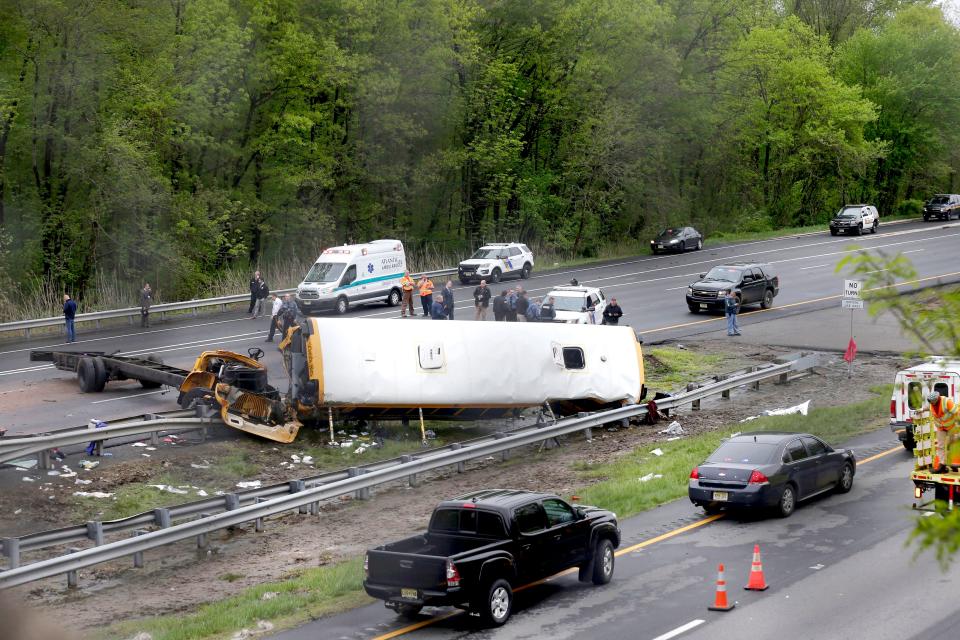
(181, 138)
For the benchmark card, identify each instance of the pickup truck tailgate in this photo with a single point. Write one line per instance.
(407, 570)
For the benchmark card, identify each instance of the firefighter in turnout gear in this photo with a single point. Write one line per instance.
(945, 417)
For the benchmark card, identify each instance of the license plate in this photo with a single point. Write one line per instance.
(703, 306)
(720, 496)
(409, 594)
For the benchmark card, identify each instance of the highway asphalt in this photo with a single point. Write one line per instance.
(34, 397)
(837, 568)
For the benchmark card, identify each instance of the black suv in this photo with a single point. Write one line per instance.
(752, 282)
(942, 206)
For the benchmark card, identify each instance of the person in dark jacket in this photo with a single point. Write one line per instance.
(69, 313)
(437, 311)
(522, 303)
(146, 299)
(500, 307)
(254, 291)
(263, 292)
(533, 310)
(547, 311)
(448, 300)
(512, 305)
(481, 300)
(613, 312)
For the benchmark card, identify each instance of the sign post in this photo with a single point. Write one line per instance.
(851, 300)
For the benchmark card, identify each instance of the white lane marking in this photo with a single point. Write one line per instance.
(875, 271)
(26, 369)
(914, 251)
(816, 266)
(675, 288)
(132, 395)
(693, 624)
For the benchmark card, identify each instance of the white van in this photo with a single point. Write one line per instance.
(353, 274)
(910, 392)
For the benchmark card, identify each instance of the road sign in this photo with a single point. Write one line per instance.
(851, 289)
(846, 303)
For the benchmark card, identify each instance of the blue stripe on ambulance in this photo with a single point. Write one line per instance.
(357, 283)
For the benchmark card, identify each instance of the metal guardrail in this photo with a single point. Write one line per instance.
(358, 480)
(162, 309)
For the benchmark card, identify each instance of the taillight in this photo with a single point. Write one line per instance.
(695, 474)
(758, 478)
(453, 576)
(893, 408)
(366, 565)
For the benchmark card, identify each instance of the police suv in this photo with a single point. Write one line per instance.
(496, 260)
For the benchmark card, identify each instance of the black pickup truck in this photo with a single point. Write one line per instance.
(481, 545)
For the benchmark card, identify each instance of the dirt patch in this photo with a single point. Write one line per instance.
(177, 578)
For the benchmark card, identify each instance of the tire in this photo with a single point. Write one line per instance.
(833, 232)
(604, 562)
(739, 304)
(859, 230)
(926, 218)
(342, 305)
(845, 482)
(654, 251)
(146, 384)
(767, 301)
(699, 244)
(711, 509)
(495, 276)
(693, 309)
(197, 395)
(91, 374)
(409, 611)
(525, 273)
(909, 444)
(497, 604)
(876, 225)
(787, 502)
(464, 281)
(393, 299)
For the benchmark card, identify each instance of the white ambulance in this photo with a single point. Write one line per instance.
(910, 391)
(353, 274)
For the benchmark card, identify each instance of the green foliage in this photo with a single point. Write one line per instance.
(182, 142)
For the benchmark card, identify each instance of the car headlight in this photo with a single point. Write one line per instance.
(653, 242)
(674, 241)
(689, 291)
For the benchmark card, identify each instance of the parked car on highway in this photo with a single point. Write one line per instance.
(855, 219)
(578, 304)
(495, 261)
(770, 470)
(482, 545)
(942, 206)
(753, 283)
(677, 239)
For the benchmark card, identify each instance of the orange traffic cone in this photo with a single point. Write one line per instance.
(757, 582)
(720, 602)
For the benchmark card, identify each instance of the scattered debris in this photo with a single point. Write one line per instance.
(269, 595)
(79, 481)
(86, 465)
(169, 489)
(199, 466)
(92, 494)
(673, 430)
(244, 634)
(17, 512)
(143, 635)
(139, 444)
(307, 460)
(24, 464)
(53, 472)
(151, 448)
(145, 455)
(650, 476)
(295, 458)
(249, 484)
(202, 493)
(657, 452)
(29, 479)
(802, 409)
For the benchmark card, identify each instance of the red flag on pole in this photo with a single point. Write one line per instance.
(851, 351)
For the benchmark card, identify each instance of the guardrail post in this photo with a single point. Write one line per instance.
(73, 579)
(98, 448)
(202, 537)
(98, 324)
(695, 405)
(296, 486)
(154, 439)
(11, 549)
(505, 454)
(258, 523)
(588, 432)
(138, 555)
(412, 478)
(231, 501)
(130, 318)
(223, 308)
(756, 385)
(456, 446)
(783, 378)
(196, 311)
(725, 394)
(95, 532)
(28, 333)
(162, 517)
(162, 315)
(43, 460)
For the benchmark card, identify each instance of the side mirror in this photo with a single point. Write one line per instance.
(702, 276)
(581, 514)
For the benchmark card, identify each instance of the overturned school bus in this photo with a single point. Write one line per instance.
(388, 369)
(385, 369)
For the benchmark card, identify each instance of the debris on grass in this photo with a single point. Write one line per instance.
(657, 452)
(92, 494)
(249, 484)
(802, 409)
(673, 430)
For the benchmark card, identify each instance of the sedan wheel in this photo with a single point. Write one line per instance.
(787, 503)
(846, 479)
(699, 244)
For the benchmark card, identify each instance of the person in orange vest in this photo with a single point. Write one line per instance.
(426, 294)
(407, 284)
(945, 414)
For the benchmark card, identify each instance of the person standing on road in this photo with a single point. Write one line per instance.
(448, 300)
(522, 304)
(533, 311)
(263, 292)
(254, 291)
(511, 305)
(481, 300)
(612, 313)
(274, 316)
(146, 299)
(500, 307)
(731, 306)
(288, 315)
(69, 313)
(945, 418)
(425, 286)
(547, 311)
(406, 286)
(437, 310)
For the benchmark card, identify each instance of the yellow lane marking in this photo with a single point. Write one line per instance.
(618, 553)
(796, 304)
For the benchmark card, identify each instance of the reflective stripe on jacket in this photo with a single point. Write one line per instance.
(426, 288)
(407, 283)
(944, 414)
